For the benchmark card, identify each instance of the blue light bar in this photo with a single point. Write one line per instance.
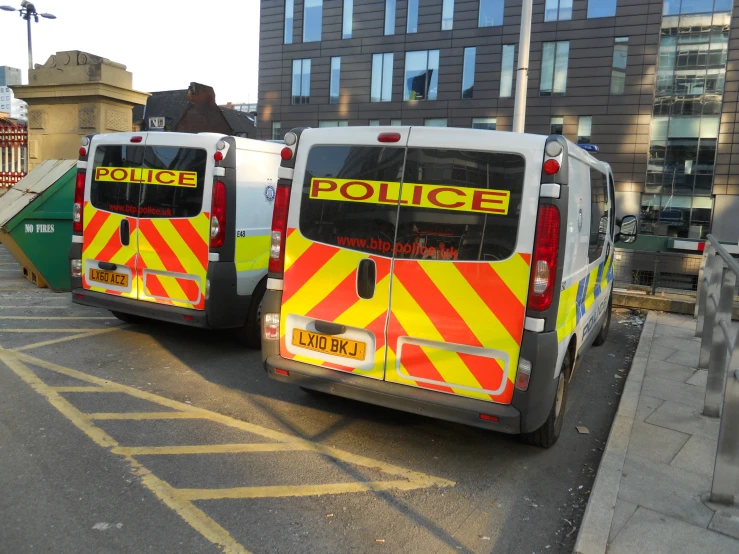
(589, 147)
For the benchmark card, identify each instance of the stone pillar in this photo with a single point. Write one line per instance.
(72, 95)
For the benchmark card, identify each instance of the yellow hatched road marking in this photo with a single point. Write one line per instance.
(65, 339)
(180, 500)
(296, 247)
(166, 493)
(284, 491)
(208, 449)
(144, 415)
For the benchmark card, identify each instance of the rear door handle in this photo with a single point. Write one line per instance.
(125, 232)
(366, 276)
(107, 266)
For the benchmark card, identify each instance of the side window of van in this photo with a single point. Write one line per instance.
(599, 209)
(612, 206)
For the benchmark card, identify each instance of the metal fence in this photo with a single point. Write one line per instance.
(655, 272)
(13, 153)
(720, 356)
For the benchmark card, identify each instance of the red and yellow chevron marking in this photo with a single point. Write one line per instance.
(456, 326)
(168, 257)
(101, 242)
(173, 260)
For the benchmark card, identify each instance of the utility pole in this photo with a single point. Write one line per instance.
(522, 73)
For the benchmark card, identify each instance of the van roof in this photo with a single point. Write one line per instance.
(192, 138)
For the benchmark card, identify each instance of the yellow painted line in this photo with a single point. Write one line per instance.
(193, 516)
(144, 415)
(284, 491)
(85, 389)
(208, 449)
(65, 339)
(2, 330)
(53, 318)
(418, 479)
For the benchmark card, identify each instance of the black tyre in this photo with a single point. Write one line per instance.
(546, 435)
(603, 334)
(128, 318)
(251, 333)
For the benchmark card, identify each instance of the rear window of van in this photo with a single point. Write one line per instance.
(439, 204)
(148, 181)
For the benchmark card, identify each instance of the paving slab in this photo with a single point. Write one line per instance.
(649, 532)
(660, 481)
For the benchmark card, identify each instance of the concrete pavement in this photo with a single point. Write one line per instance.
(658, 462)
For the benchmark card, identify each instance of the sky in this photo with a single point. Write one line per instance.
(166, 44)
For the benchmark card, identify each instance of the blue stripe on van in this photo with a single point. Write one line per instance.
(599, 278)
(582, 288)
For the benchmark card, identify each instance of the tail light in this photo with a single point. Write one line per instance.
(79, 201)
(546, 251)
(218, 215)
(279, 228)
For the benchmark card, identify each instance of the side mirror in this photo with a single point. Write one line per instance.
(627, 230)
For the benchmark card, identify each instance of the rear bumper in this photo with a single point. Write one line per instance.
(399, 397)
(150, 310)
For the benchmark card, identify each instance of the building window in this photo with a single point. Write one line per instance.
(334, 86)
(675, 7)
(412, 23)
(389, 17)
(421, 75)
(156, 123)
(447, 15)
(554, 62)
(346, 31)
(584, 129)
(289, 9)
(675, 216)
(381, 89)
(374, 123)
(506, 70)
(486, 123)
(301, 81)
(602, 8)
(468, 72)
(276, 133)
(435, 122)
(618, 69)
(395, 122)
(312, 20)
(558, 10)
(491, 13)
(333, 123)
(557, 126)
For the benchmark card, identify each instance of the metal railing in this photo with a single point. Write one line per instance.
(654, 272)
(719, 355)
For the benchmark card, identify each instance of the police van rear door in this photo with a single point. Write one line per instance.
(109, 217)
(174, 219)
(461, 270)
(338, 251)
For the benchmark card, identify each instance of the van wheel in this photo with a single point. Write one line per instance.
(603, 334)
(546, 435)
(128, 318)
(251, 333)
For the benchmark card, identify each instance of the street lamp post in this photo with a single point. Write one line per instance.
(28, 11)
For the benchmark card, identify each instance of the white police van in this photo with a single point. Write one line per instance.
(451, 272)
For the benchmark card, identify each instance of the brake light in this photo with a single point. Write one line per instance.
(279, 228)
(218, 215)
(551, 167)
(544, 261)
(388, 137)
(79, 199)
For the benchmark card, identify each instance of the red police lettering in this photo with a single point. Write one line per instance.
(119, 174)
(432, 196)
(161, 181)
(186, 179)
(101, 172)
(317, 187)
(368, 190)
(384, 198)
(481, 197)
(417, 194)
